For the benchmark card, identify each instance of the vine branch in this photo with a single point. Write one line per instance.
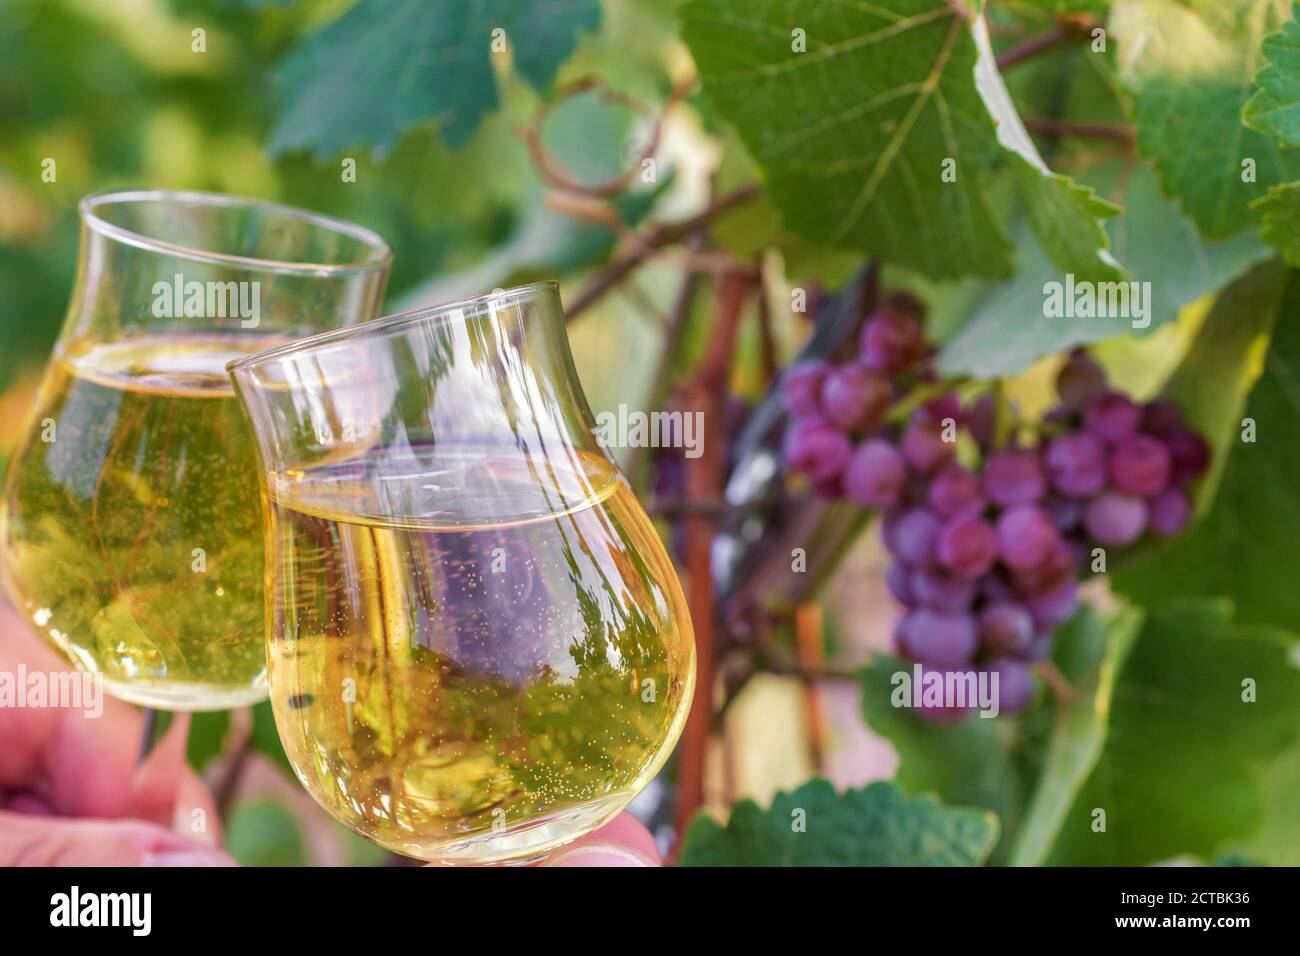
(704, 477)
(1068, 28)
(654, 239)
(1051, 127)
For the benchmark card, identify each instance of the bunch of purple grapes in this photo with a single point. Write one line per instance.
(987, 552)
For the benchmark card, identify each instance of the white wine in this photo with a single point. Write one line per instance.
(473, 657)
(131, 527)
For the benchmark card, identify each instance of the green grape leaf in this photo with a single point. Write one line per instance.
(1275, 106)
(1006, 329)
(755, 226)
(1181, 771)
(1189, 67)
(879, 136)
(1276, 842)
(386, 65)
(1212, 382)
(1064, 215)
(853, 135)
(1279, 214)
(1244, 546)
(815, 826)
(1097, 653)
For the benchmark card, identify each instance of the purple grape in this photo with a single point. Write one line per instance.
(801, 387)
(967, 547)
(934, 637)
(854, 397)
(1140, 465)
(1079, 549)
(898, 580)
(954, 491)
(995, 587)
(1115, 519)
(1026, 536)
(1076, 464)
(1006, 628)
(1190, 455)
(1059, 565)
(1015, 684)
(891, 341)
(1168, 512)
(936, 590)
(1066, 513)
(942, 714)
(1056, 605)
(816, 449)
(981, 420)
(1161, 417)
(1013, 477)
(1058, 415)
(945, 406)
(1112, 416)
(875, 474)
(923, 446)
(913, 537)
(1080, 380)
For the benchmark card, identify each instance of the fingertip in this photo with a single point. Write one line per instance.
(623, 841)
(600, 854)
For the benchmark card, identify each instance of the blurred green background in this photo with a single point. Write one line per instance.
(114, 94)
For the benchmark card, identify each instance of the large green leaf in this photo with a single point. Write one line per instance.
(1095, 653)
(1212, 382)
(1244, 548)
(1277, 840)
(853, 134)
(815, 826)
(388, 64)
(1064, 215)
(1181, 771)
(1279, 214)
(1006, 329)
(1189, 66)
(1275, 106)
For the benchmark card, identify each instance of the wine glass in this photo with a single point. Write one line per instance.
(130, 529)
(478, 646)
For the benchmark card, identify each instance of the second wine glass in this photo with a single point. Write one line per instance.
(479, 649)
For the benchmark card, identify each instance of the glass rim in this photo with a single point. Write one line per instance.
(381, 255)
(384, 323)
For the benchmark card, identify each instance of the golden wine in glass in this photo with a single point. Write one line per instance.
(130, 528)
(479, 649)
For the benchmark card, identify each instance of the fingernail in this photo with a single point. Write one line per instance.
(600, 854)
(185, 858)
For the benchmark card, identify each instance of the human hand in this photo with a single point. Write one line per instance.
(71, 792)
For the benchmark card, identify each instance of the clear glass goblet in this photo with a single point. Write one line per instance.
(479, 649)
(130, 530)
